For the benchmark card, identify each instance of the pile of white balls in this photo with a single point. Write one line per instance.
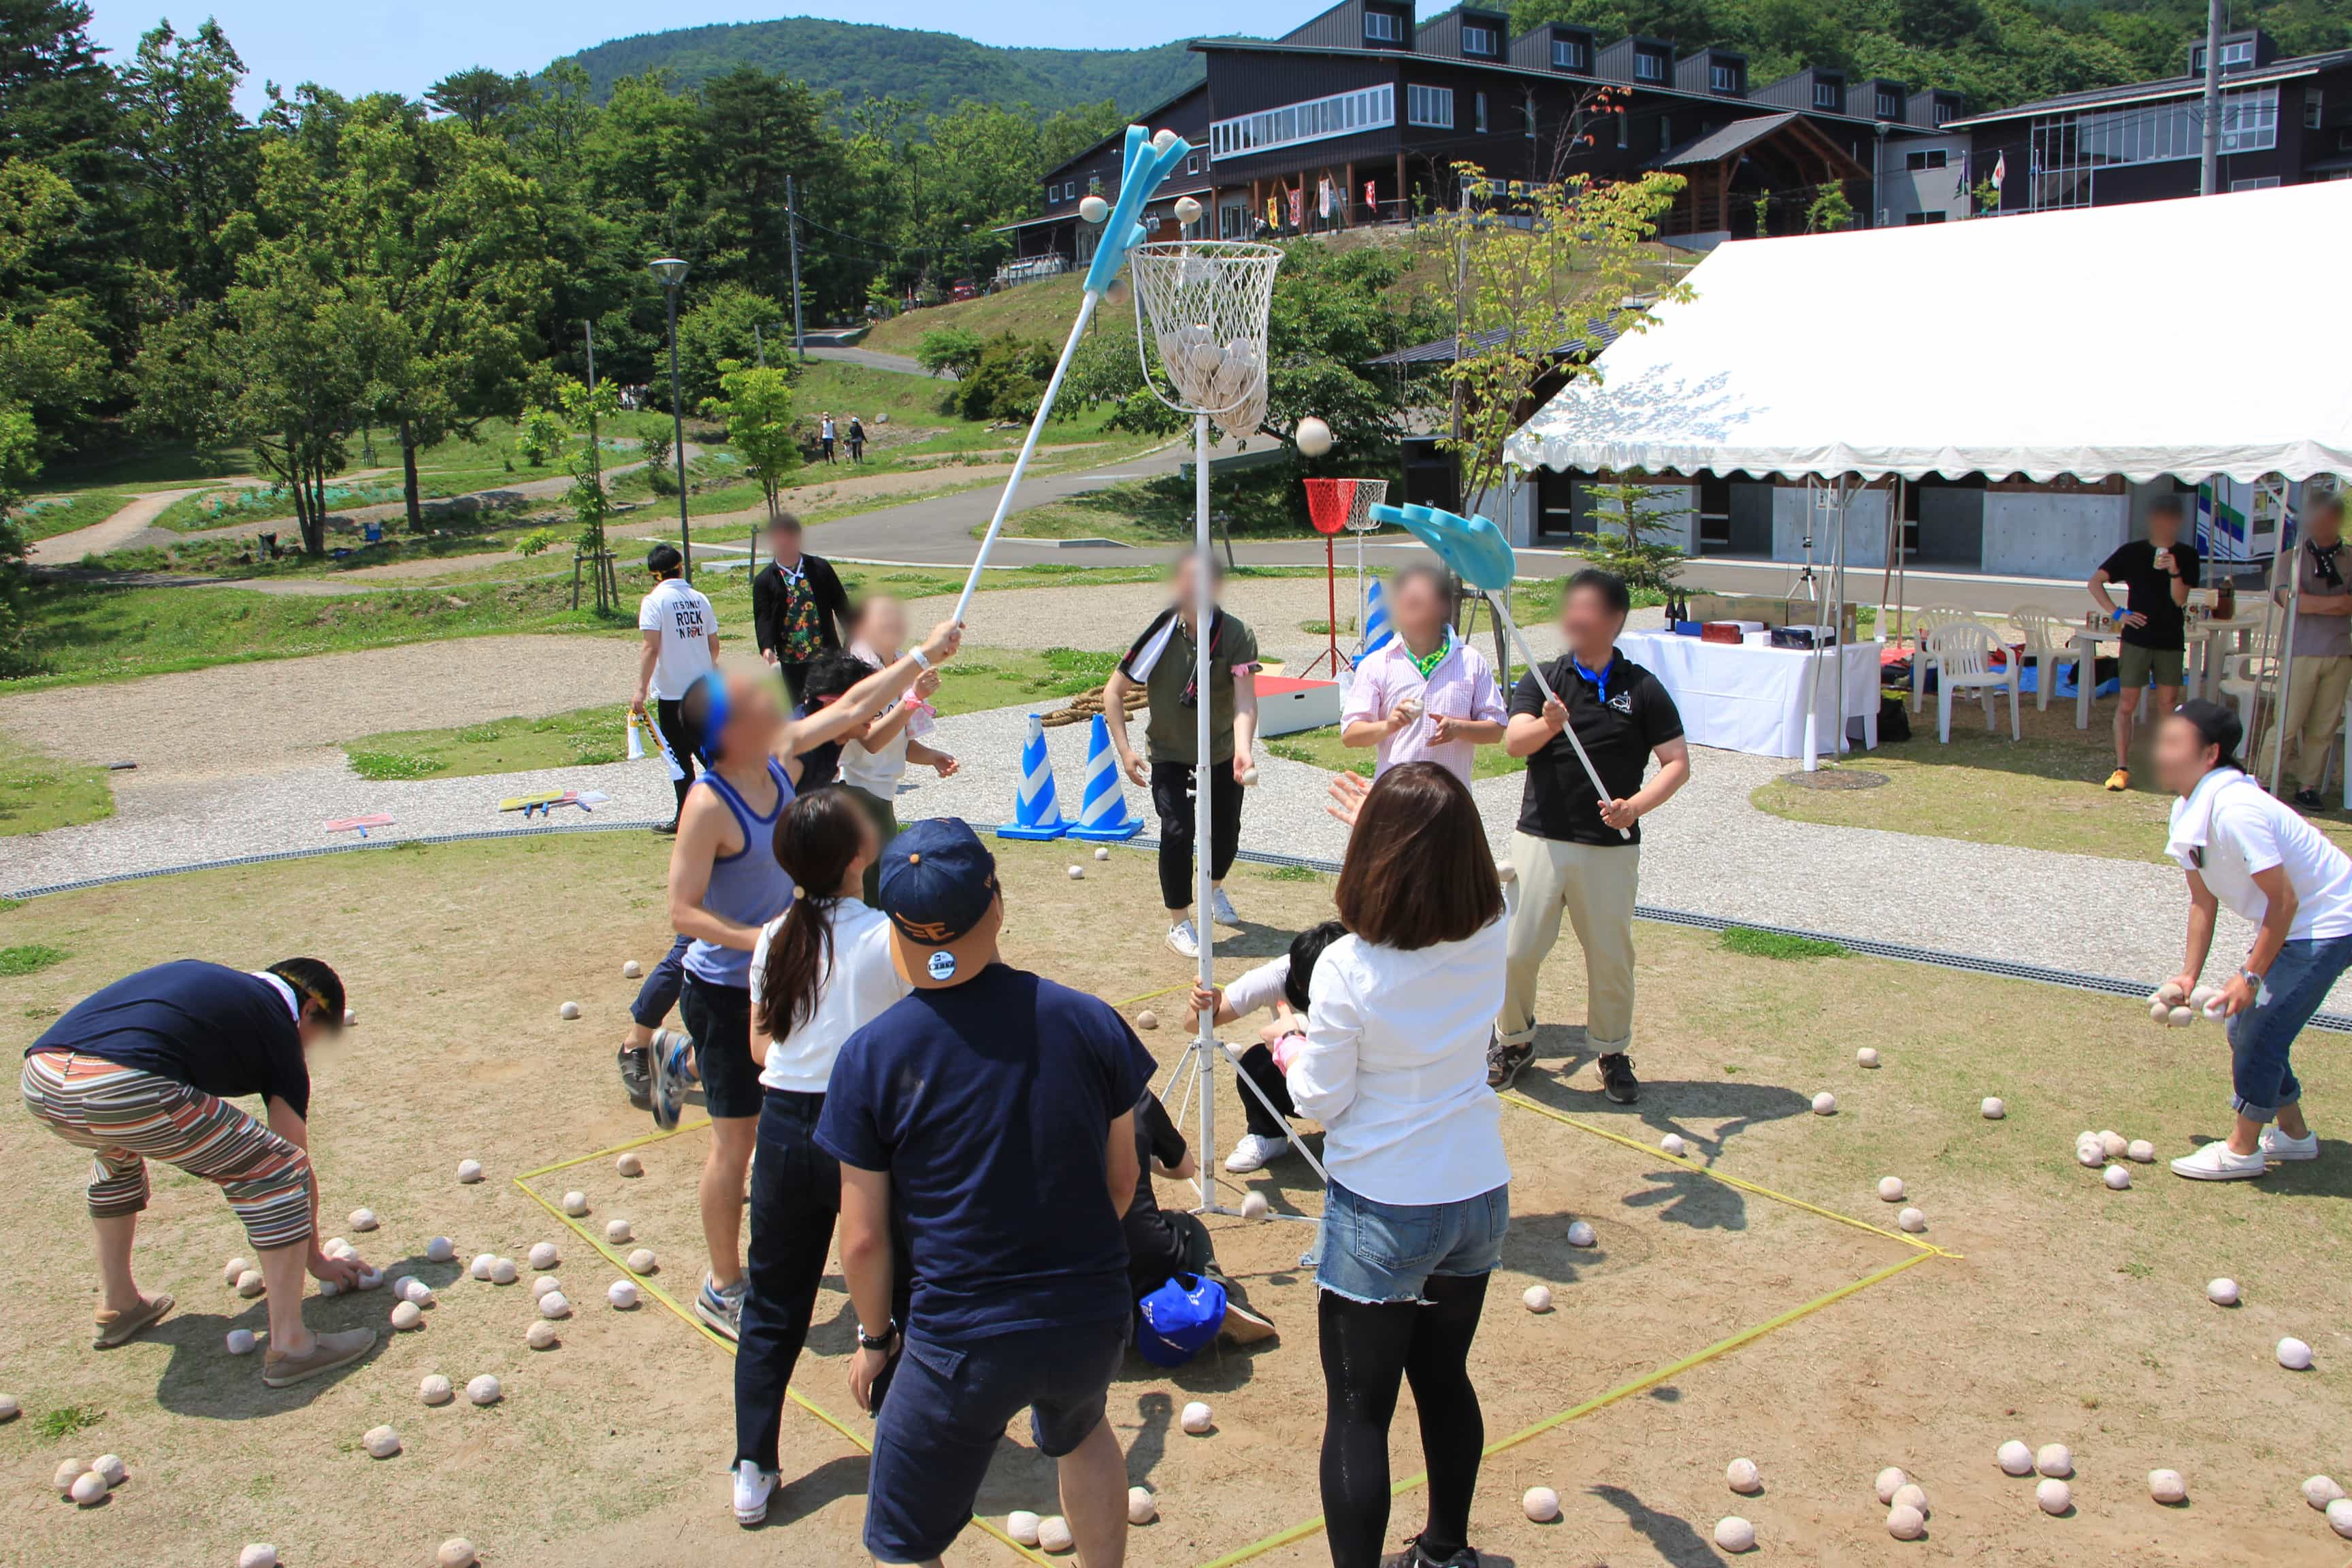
(1907, 1504)
(2103, 1150)
(89, 1485)
(2054, 1463)
(2169, 1005)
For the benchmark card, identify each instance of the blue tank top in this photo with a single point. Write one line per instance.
(746, 887)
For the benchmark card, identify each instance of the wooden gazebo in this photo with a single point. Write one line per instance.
(1727, 170)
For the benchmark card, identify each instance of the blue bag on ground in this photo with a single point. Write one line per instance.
(1179, 1318)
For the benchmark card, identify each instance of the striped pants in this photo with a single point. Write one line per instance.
(126, 1117)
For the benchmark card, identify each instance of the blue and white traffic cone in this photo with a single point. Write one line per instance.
(1102, 802)
(1377, 629)
(1036, 813)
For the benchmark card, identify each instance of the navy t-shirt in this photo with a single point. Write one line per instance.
(990, 1104)
(209, 1026)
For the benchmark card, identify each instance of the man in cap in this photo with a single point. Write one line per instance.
(997, 1110)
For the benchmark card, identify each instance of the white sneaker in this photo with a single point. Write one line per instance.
(1253, 1152)
(753, 1487)
(1183, 939)
(2216, 1162)
(2277, 1145)
(1221, 908)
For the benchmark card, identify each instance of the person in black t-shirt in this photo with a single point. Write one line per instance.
(1160, 1245)
(1570, 853)
(2157, 572)
(799, 608)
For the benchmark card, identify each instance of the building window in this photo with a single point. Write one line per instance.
(2266, 183)
(1649, 65)
(1624, 130)
(1942, 111)
(1382, 26)
(1430, 106)
(1825, 96)
(1890, 106)
(1933, 158)
(1723, 77)
(1665, 131)
(2068, 150)
(1341, 114)
(1477, 40)
(1192, 163)
(1567, 54)
(1479, 106)
(2241, 53)
(1913, 220)
(2311, 109)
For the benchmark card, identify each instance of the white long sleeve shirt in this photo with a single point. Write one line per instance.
(1395, 1068)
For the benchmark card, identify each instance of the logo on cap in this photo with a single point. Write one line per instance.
(942, 966)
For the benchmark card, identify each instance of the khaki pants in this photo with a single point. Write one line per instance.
(1594, 886)
(2314, 703)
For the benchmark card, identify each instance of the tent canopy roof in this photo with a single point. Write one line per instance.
(2188, 337)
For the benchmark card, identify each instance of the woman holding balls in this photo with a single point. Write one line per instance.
(2242, 848)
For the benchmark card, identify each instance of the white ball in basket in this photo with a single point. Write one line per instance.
(1094, 209)
(1314, 437)
(1194, 1418)
(1188, 211)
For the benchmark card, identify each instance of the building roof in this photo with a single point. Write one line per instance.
(1735, 378)
(1597, 335)
(1736, 137)
(2157, 90)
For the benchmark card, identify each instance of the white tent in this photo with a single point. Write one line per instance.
(2188, 338)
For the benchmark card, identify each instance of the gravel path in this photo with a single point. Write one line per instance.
(125, 525)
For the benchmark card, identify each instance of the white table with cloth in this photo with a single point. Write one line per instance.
(1750, 697)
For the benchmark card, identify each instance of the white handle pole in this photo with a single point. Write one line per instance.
(1021, 464)
(1204, 609)
(1536, 669)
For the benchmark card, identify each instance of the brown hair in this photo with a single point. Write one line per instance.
(1418, 870)
(816, 838)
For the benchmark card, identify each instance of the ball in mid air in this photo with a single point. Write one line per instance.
(1094, 209)
(1314, 437)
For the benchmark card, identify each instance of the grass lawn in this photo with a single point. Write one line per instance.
(39, 793)
(1321, 748)
(2046, 792)
(1041, 309)
(585, 737)
(63, 513)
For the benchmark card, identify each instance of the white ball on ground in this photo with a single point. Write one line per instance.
(1890, 1480)
(543, 1256)
(89, 1489)
(335, 1247)
(1077, 873)
(236, 1266)
(2054, 1496)
(1537, 1298)
(368, 1279)
(622, 1293)
(504, 1272)
(631, 968)
(110, 1469)
(350, 1018)
(1867, 1056)
(1102, 852)
(9, 1408)
(1314, 437)
(399, 1286)
(1255, 1206)
(544, 1286)
(1825, 1104)
(329, 1288)
(435, 1390)
(2116, 1177)
(1194, 1418)
(407, 1315)
(1581, 1234)
(1911, 1220)
(1540, 1504)
(2321, 1490)
(363, 1219)
(2222, 1292)
(1911, 1494)
(1094, 209)
(2114, 1144)
(455, 1552)
(567, 1011)
(469, 1171)
(643, 1261)
(1673, 1145)
(484, 1390)
(241, 1341)
(1905, 1523)
(2339, 1517)
(2293, 1354)
(575, 1203)
(1993, 1110)
(440, 1249)
(420, 1293)
(2167, 1487)
(541, 1335)
(1147, 1019)
(2054, 1459)
(381, 1442)
(68, 1471)
(1022, 1526)
(617, 1231)
(1142, 1509)
(1890, 1189)
(250, 1284)
(257, 1555)
(2014, 1458)
(2140, 1151)
(480, 1268)
(1053, 1534)
(2088, 1154)
(555, 1304)
(1734, 1533)
(630, 1164)
(1188, 211)
(1742, 1477)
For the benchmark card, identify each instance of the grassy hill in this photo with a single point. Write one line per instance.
(938, 68)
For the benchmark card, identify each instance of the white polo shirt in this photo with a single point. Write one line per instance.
(858, 985)
(2230, 827)
(686, 621)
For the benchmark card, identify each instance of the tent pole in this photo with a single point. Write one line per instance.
(2270, 621)
(1837, 619)
(1894, 547)
(2286, 641)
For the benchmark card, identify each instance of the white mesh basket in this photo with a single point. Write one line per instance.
(1201, 311)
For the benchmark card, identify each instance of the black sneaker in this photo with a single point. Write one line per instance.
(1506, 1062)
(1617, 1079)
(1416, 1555)
(667, 829)
(636, 1075)
(2308, 799)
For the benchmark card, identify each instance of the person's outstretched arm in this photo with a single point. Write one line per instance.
(862, 701)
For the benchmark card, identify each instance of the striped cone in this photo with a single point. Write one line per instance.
(1102, 802)
(1036, 814)
(1377, 629)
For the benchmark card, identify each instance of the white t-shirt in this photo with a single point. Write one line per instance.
(687, 622)
(1395, 1068)
(876, 773)
(2230, 827)
(1261, 989)
(858, 984)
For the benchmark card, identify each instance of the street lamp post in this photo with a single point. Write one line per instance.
(672, 272)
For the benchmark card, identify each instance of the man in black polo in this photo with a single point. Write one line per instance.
(1570, 852)
(2157, 572)
(799, 609)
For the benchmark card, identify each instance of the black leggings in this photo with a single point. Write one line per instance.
(668, 713)
(1367, 1350)
(1257, 1062)
(1172, 798)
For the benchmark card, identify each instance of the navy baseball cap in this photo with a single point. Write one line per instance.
(938, 888)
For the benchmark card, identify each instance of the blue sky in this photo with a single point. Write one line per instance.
(356, 46)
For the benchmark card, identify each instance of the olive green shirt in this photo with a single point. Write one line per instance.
(1170, 728)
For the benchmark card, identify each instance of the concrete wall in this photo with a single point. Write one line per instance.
(1865, 527)
(2036, 534)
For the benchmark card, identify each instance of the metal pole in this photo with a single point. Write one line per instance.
(2208, 167)
(2293, 557)
(1204, 820)
(793, 231)
(759, 345)
(678, 441)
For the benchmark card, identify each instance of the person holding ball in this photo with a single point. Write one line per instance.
(1425, 695)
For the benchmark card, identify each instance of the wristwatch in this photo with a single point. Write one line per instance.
(881, 1342)
(2250, 978)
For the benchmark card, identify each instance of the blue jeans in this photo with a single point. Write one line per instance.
(2261, 1080)
(659, 994)
(1375, 1252)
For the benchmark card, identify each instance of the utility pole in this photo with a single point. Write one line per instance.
(760, 344)
(2209, 169)
(793, 229)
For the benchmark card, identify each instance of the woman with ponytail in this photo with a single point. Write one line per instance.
(820, 971)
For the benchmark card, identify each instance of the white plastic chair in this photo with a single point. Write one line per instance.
(2049, 642)
(1923, 622)
(1962, 651)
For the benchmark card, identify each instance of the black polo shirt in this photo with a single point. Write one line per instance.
(1620, 727)
(2148, 592)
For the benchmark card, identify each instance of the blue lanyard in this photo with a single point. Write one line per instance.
(1600, 677)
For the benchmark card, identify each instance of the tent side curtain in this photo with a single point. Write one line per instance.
(2186, 338)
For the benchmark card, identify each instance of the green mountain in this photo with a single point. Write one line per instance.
(938, 68)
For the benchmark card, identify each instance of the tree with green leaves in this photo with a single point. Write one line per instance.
(729, 321)
(757, 405)
(1333, 313)
(952, 351)
(1636, 550)
(53, 366)
(195, 158)
(481, 96)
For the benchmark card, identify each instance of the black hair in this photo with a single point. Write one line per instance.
(816, 840)
(1608, 585)
(318, 989)
(1305, 949)
(1429, 572)
(664, 561)
(2219, 726)
(830, 676)
(785, 520)
(2168, 506)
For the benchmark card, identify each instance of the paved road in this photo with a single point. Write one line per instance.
(875, 359)
(940, 531)
(119, 530)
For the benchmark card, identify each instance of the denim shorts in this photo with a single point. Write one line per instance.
(1376, 1252)
(946, 1413)
(2260, 1079)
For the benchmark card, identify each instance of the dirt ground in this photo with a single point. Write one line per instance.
(2072, 1314)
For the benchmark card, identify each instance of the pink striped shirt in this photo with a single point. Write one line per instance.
(1461, 686)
